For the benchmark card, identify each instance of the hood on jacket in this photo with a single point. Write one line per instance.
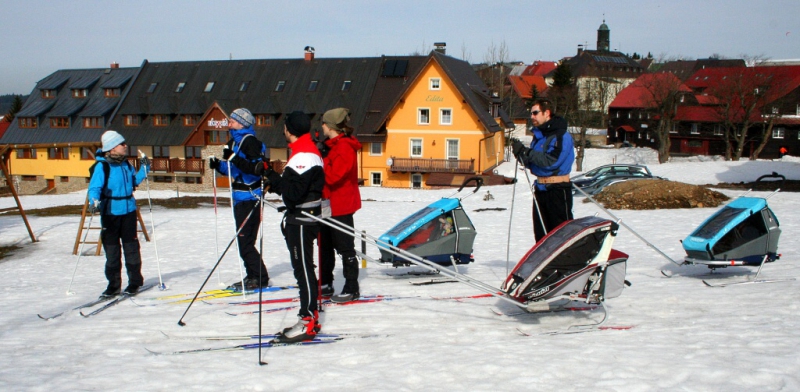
(348, 141)
(556, 125)
(239, 134)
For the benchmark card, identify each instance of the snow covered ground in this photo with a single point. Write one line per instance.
(685, 336)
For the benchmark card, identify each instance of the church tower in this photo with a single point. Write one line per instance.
(603, 38)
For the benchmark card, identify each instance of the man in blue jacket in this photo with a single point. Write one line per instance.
(241, 155)
(111, 194)
(549, 158)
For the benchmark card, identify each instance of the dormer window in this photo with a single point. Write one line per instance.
(264, 120)
(180, 87)
(346, 85)
(209, 87)
(59, 122)
(48, 94)
(435, 84)
(28, 122)
(280, 86)
(131, 120)
(189, 120)
(80, 92)
(111, 92)
(92, 122)
(152, 88)
(243, 87)
(313, 85)
(160, 120)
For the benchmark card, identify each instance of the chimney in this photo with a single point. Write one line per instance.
(580, 48)
(114, 65)
(440, 47)
(309, 51)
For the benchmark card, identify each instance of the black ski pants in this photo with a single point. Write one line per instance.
(331, 240)
(247, 238)
(555, 205)
(116, 230)
(300, 241)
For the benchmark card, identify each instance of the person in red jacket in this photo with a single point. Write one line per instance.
(341, 189)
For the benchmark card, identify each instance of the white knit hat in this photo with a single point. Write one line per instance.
(111, 139)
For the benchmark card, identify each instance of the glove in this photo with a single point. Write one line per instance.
(94, 206)
(213, 163)
(226, 153)
(264, 169)
(144, 161)
(517, 148)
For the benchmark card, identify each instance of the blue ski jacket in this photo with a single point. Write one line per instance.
(117, 194)
(244, 144)
(552, 150)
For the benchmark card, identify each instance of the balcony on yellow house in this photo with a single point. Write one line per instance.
(422, 165)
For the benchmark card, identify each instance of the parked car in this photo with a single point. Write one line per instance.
(593, 181)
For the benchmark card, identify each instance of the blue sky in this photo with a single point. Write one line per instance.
(41, 37)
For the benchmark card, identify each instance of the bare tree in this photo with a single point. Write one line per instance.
(466, 56)
(495, 75)
(661, 93)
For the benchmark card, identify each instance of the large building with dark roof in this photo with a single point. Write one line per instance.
(176, 113)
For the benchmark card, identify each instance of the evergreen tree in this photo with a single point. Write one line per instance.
(16, 106)
(534, 96)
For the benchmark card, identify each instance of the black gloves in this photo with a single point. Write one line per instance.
(94, 206)
(144, 161)
(264, 169)
(517, 147)
(226, 153)
(213, 163)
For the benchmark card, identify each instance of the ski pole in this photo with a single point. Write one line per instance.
(216, 220)
(511, 215)
(233, 212)
(161, 284)
(80, 253)
(260, 292)
(180, 322)
(619, 221)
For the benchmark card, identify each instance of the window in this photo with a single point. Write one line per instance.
(28, 122)
(216, 137)
(244, 86)
(639, 135)
(446, 116)
(617, 115)
(189, 120)
(194, 152)
(28, 178)
(209, 87)
(58, 153)
(280, 86)
(131, 120)
(416, 181)
(152, 88)
(162, 178)
(452, 149)
(180, 87)
(192, 180)
(375, 148)
(264, 120)
(48, 94)
(775, 110)
(798, 109)
(64, 179)
(717, 129)
(435, 84)
(92, 122)
(695, 130)
(59, 122)
(683, 98)
(312, 86)
(423, 116)
(629, 115)
(160, 151)
(26, 153)
(778, 133)
(133, 151)
(87, 154)
(160, 120)
(111, 92)
(375, 179)
(80, 93)
(674, 128)
(416, 148)
(346, 85)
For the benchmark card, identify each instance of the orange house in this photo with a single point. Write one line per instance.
(446, 126)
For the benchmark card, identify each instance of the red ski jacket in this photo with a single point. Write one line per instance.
(341, 175)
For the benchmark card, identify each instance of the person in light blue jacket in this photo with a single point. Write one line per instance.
(111, 195)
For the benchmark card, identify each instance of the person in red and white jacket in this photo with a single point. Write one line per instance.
(341, 189)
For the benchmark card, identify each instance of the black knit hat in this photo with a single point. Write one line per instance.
(298, 123)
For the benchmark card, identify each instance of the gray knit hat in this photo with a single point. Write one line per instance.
(244, 117)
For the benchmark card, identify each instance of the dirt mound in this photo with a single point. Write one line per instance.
(657, 194)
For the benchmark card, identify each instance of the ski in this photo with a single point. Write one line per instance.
(116, 300)
(748, 282)
(86, 305)
(428, 281)
(564, 309)
(314, 341)
(213, 294)
(460, 297)
(413, 273)
(245, 337)
(580, 330)
(326, 303)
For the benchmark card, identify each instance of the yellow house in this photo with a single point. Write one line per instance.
(444, 128)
